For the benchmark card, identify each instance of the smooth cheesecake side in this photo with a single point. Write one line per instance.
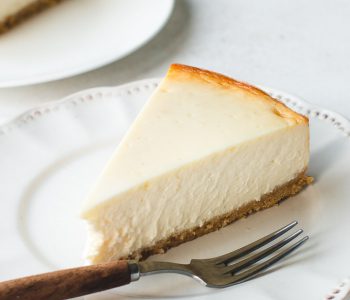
(268, 200)
(14, 12)
(205, 151)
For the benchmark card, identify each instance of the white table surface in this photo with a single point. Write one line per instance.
(301, 47)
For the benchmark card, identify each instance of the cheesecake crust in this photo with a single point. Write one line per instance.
(26, 12)
(268, 200)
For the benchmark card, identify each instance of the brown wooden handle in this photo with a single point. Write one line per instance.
(67, 283)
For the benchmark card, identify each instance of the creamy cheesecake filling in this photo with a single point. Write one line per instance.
(195, 193)
(10, 7)
(268, 200)
(182, 122)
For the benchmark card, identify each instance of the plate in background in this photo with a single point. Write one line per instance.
(77, 36)
(51, 155)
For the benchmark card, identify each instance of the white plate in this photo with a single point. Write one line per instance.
(51, 155)
(77, 36)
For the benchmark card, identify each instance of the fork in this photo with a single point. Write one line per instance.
(217, 272)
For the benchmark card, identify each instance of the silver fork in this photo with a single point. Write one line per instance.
(222, 271)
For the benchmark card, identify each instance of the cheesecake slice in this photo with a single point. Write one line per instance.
(205, 151)
(13, 12)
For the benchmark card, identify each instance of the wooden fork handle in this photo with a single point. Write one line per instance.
(67, 283)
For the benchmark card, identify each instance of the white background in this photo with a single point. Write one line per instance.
(302, 47)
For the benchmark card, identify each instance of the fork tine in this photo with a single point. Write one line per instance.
(262, 266)
(260, 255)
(227, 258)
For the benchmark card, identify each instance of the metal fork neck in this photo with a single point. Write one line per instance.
(154, 267)
(138, 269)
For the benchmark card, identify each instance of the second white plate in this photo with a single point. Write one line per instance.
(50, 156)
(77, 36)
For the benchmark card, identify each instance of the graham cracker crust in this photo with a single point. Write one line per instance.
(268, 200)
(26, 12)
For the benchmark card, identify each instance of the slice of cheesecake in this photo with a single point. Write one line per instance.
(205, 151)
(13, 12)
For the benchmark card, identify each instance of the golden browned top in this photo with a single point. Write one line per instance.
(183, 72)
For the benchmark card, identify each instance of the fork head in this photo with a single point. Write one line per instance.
(234, 267)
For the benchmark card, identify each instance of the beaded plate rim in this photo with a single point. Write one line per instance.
(85, 96)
